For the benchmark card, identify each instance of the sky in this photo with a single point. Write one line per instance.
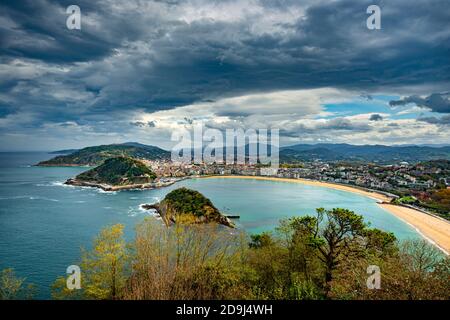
(142, 70)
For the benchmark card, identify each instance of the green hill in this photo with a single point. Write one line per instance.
(93, 156)
(118, 171)
(189, 206)
(365, 153)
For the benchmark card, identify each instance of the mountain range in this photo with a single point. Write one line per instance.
(368, 153)
(288, 154)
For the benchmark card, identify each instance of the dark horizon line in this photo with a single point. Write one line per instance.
(439, 145)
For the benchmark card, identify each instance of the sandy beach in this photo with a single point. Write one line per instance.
(434, 229)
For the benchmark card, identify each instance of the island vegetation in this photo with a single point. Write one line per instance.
(188, 206)
(120, 171)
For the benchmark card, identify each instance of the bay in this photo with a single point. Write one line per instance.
(43, 223)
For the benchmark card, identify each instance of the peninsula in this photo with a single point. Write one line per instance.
(94, 156)
(118, 174)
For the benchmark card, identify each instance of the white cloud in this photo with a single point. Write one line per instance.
(253, 109)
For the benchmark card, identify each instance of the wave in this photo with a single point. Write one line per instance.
(16, 183)
(29, 198)
(62, 184)
(103, 191)
(150, 212)
(53, 184)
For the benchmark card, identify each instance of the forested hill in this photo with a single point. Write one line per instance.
(118, 171)
(296, 153)
(367, 153)
(186, 205)
(93, 156)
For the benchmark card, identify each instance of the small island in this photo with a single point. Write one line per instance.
(184, 205)
(120, 173)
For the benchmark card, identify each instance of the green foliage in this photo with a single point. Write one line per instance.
(291, 165)
(188, 206)
(260, 240)
(187, 201)
(119, 171)
(13, 288)
(440, 199)
(405, 200)
(104, 269)
(302, 262)
(94, 156)
(304, 290)
(61, 292)
(310, 257)
(198, 261)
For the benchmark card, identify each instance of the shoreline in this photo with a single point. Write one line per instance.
(432, 228)
(371, 194)
(107, 187)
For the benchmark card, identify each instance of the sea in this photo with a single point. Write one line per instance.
(44, 223)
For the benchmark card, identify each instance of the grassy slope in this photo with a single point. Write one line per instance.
(119, 171)
(96, 155)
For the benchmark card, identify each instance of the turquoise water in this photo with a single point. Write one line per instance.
(43, 223)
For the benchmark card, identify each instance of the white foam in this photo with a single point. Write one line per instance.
(29, 198)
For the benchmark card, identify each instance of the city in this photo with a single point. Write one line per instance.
(413, 183)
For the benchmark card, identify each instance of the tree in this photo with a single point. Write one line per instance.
(61, 292)
(186, 261)
(338, 235)
(12, 287)
(260, 240)
(104, 268)
(415, 271)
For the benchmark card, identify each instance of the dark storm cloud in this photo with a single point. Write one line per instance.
(444, 120)
(437, 102)
(375, 117)
(133, 55)
(142, 124)
(37, 29)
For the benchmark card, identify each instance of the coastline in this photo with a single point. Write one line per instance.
(434, 229)
(371, 194)
(107, 187)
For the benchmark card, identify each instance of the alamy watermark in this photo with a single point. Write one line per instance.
(74, 279)
(373, 22)
(374, 280)
(74, 19)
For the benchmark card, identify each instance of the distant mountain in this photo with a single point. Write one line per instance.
(368, 153)
(66, 151)
(93, 156)
(296, 153)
